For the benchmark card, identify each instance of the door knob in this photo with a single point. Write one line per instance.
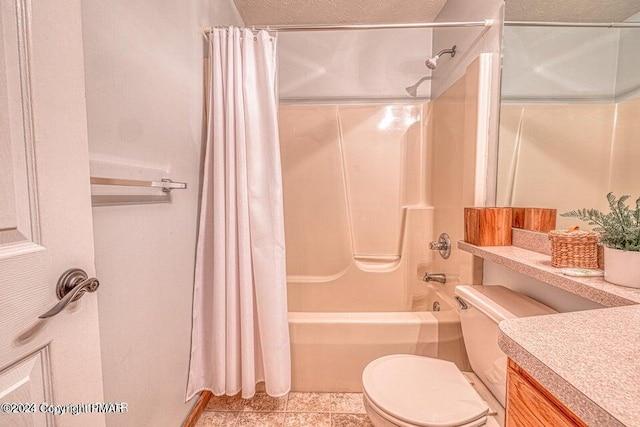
(71, 286)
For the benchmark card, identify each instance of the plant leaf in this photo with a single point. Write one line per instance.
(620, 228)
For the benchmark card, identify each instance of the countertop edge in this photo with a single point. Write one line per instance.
(575, 286)
(581, 405)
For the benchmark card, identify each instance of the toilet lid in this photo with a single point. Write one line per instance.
(422, 391)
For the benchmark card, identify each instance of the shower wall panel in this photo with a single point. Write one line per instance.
(374, 139)
(471, 44)
(344, 172)
(447, 187)
(456, 129)
(583, 149)
(565, 147)
(366, 187)
(354, 185)
(625, 173)
(316, 219)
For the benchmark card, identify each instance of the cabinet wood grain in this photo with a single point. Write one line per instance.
(488, 226)
(535, 219)
(531, 405)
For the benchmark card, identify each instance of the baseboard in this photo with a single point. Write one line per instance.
(194, 416)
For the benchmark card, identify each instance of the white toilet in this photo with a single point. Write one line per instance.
(408, 391)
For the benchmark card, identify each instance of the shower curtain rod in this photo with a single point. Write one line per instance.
(287, 28)
(572, 24)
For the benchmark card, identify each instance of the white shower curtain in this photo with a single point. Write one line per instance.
(240, 331)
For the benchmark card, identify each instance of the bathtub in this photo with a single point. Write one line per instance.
(329, 350)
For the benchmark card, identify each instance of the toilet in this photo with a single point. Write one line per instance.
(407, 390)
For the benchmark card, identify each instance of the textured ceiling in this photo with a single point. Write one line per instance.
(571, 10)
(272, 12)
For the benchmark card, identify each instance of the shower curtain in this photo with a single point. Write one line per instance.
(240, 332)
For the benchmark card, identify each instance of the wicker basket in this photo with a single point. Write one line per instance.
(575, 249)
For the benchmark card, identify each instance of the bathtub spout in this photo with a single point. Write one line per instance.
(435, 277)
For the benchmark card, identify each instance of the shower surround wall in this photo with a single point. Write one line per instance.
(366, 187)
(584, 149)
(356, 214)
(144, 74)
(560, 114)
(460, 130)
(471, 43)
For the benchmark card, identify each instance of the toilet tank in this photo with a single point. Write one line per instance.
(488, 306)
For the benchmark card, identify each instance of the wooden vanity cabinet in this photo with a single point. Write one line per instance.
(531, 405)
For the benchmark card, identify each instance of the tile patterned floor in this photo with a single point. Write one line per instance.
(294, 410)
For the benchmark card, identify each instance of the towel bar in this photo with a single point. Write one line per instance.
(165, 183)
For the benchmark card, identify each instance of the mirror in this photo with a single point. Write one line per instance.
(570, 110)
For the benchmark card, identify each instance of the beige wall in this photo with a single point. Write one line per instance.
(143, 64)
(568, 156)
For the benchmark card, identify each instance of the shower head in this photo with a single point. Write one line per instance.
(432, 63)
(413, 89)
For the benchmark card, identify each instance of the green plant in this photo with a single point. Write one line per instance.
(619, 229)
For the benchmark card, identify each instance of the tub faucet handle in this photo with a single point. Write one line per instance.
(443, 245)
(436, 246)
(435, 277)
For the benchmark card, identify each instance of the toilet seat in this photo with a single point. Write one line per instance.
(376, 415)
(422, 391)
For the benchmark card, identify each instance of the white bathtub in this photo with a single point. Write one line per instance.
(330, 350)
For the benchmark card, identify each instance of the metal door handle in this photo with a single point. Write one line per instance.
(71, 286)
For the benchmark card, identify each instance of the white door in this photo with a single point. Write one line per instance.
(45, 218)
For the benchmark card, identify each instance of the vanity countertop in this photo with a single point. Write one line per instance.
(589, 360)
(538, 266)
